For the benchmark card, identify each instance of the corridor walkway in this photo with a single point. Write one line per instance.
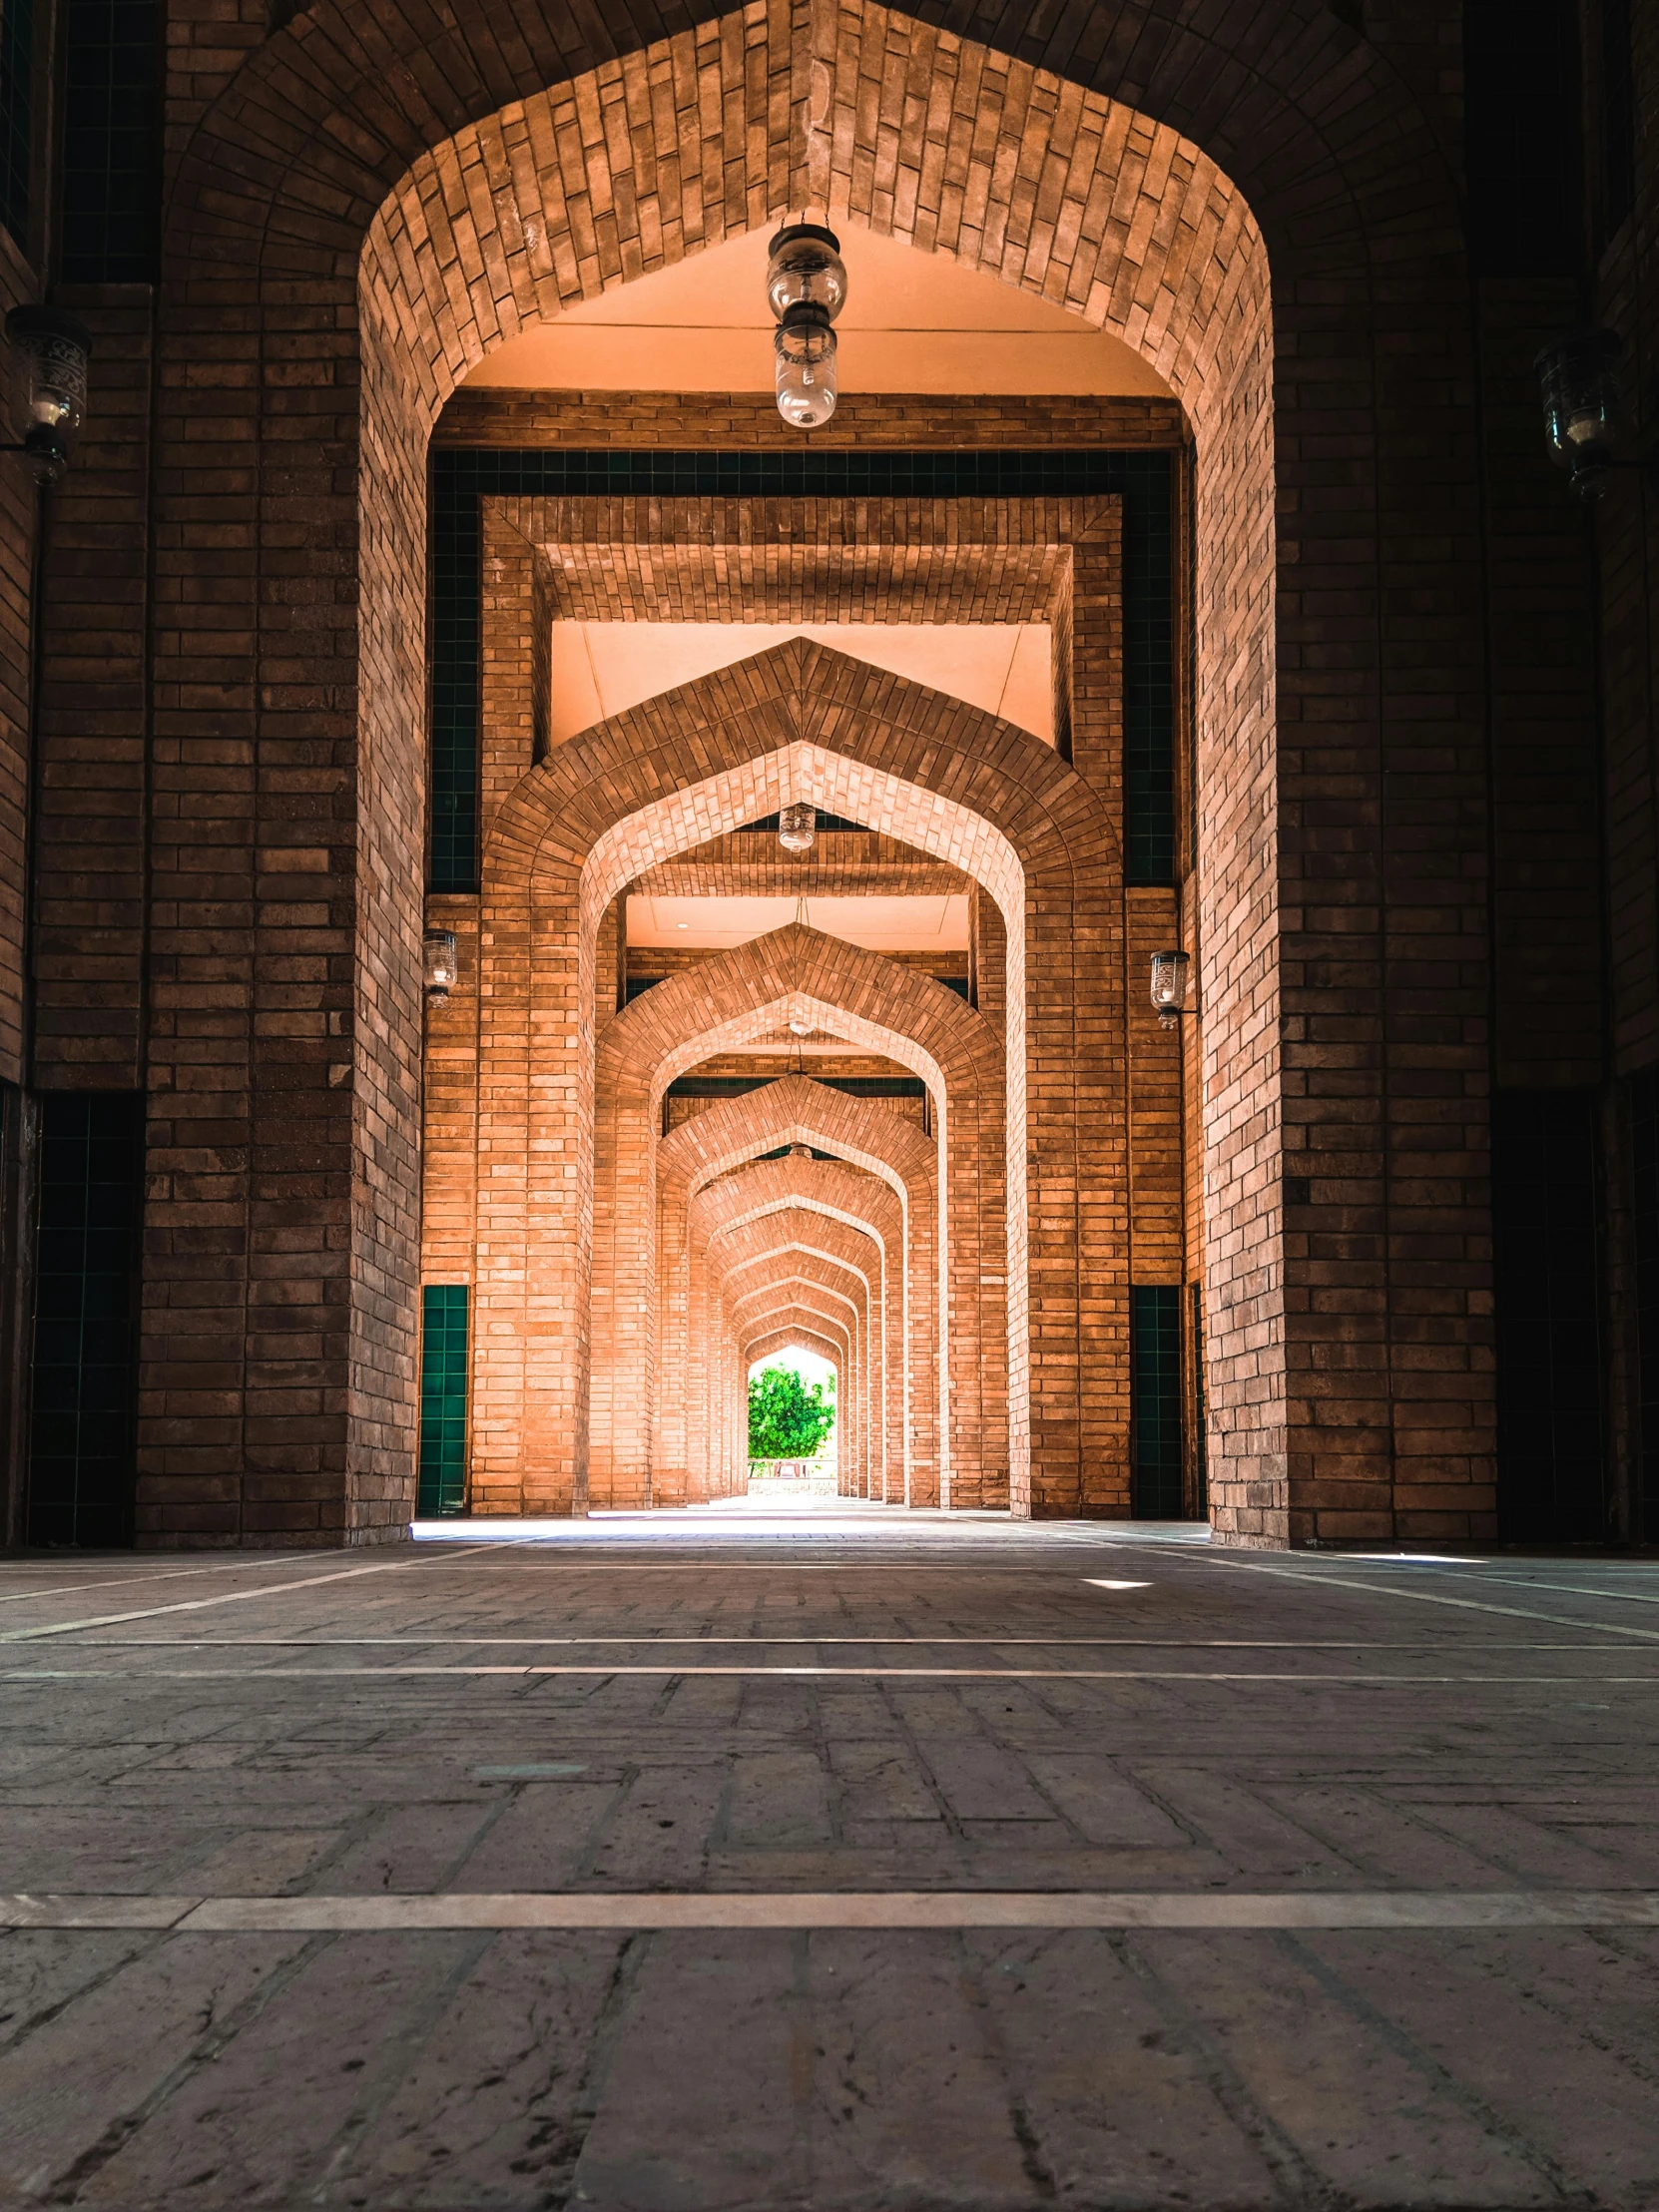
(675, 1863)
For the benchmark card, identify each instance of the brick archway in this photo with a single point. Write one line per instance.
(800, 720)
(805, 1278)
(791, 1325)
(881, 1008)
(793, 1111)
(861, 1205)
(786, 1334)
(746, 1266)
(376, 154)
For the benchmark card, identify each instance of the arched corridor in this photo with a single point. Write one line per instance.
(828, 1105)
(539, 614)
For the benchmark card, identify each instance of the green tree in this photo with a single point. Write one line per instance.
(788, 1418)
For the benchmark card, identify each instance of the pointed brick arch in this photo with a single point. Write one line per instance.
(747, 1264)
(796, 1110)
(794, 1323)
(879, 1006)
(800, 720)
(864, 1205)
(784, 1334)
(757, 1275)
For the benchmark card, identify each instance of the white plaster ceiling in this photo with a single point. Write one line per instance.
(914, 321)
(878, 925)
(603, 668)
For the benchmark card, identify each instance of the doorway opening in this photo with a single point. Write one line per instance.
(792, 1419)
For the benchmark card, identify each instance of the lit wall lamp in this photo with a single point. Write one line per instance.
(51, 353)
(442, 965)
(805, 291)
(1584, 423)
(1169, 986)
(797, 831)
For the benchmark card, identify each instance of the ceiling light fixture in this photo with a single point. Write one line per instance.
(797, 831)
(805, 291)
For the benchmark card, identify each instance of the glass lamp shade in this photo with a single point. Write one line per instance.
(1577, 381)
(804, 346)
(805, 269)
(50, 356)
(442, 965)
(799, 1026)
(798, 827)
(1169, 985)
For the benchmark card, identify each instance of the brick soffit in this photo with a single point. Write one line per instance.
(877, 559)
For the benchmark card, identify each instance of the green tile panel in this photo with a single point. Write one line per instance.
(443, 1386)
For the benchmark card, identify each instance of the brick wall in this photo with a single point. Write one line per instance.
(17, 502)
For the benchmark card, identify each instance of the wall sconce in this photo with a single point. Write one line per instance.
(1582, 425)
(442, 965)
(797, 830)
(1169, 986)
(805, 291)
(51, 353)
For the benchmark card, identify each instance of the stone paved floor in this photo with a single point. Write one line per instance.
(974, 1710)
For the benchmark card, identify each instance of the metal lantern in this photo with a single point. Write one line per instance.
(1577, 379)
(442, 965)
(1169, 986)
(51, 353)
(798, 827)
(805, 291)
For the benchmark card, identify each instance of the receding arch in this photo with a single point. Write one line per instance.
(808, 1282)
(882, 1007)
(783, 1333)
(980, 793)
(803, 1282)
(860, 1204)
(796, 1111)
(791, 1324)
